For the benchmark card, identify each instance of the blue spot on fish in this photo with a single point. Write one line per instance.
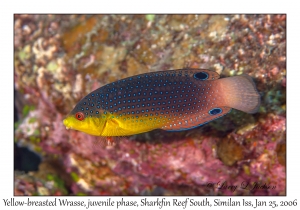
(215, 111)
(201, 76)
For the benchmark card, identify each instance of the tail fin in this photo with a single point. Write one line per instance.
(240, 93)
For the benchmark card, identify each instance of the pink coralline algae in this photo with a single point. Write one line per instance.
(61, 58)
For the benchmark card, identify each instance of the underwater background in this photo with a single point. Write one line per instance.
(58, 59)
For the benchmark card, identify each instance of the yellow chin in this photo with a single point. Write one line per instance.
(113, 125)
(89, 125)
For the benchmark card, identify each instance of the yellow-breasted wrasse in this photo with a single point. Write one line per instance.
(172, 100)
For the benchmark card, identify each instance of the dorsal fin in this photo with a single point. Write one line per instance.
(203, 74)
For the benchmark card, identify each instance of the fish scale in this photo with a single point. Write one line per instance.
(172, 100)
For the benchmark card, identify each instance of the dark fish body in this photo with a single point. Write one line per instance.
(172, 100)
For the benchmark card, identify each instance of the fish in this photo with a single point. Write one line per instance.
(172, 100)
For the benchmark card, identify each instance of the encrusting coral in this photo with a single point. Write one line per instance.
(61, 58)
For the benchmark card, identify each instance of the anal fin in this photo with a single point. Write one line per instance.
(196, 119)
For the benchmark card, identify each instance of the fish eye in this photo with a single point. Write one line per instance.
(79, 116)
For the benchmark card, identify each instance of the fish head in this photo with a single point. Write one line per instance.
(85, 118)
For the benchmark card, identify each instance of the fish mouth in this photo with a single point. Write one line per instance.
(65, 122)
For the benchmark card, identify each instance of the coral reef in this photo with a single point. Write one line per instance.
(61, 58)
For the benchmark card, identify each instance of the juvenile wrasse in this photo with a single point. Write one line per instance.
(173, 100)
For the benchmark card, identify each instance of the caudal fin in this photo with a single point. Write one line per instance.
(240, 93)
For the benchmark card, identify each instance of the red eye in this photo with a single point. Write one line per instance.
(79, 116)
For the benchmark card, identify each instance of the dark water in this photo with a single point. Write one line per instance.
(24, 159)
